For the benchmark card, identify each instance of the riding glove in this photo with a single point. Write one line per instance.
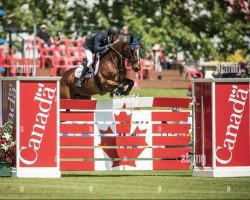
(108, 46)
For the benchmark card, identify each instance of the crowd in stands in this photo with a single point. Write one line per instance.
(50, 52)
(59, 53)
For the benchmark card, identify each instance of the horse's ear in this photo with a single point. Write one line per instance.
(131, 39)
(140, 37)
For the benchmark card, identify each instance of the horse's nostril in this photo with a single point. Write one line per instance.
(136, 69)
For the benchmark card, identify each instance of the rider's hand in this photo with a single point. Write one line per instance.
(108, 46)
(116, 40)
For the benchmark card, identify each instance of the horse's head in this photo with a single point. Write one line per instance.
(133, 52)
(129, 50)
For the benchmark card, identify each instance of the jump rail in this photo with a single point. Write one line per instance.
(108, 135)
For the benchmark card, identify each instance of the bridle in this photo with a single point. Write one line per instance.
(130, 59)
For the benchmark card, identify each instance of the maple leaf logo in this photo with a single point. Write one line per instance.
(122, 152)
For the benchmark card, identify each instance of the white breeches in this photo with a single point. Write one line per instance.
(89, 57)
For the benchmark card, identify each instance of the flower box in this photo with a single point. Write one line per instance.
(7, 149)
(5, 169)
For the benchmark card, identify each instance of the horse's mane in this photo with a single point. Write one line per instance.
(115, 46)
(120, 42)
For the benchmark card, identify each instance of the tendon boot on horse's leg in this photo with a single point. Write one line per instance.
(84, 72)
(119, 91)
(128, 85)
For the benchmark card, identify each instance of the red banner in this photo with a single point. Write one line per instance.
(232, 124)
(38, 124)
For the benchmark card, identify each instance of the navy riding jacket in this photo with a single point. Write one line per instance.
(97, 43)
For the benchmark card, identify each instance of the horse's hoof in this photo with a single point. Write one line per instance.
(136, 95)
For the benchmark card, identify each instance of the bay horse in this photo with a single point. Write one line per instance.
(111, 76)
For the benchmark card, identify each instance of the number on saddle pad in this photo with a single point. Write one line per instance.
(78, 72)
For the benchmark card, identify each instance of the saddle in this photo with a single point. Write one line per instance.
(92, 72)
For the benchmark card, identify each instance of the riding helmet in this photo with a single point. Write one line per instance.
(113, 30)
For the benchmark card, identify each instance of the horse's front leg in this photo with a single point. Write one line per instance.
(128, 85)
(124, 88)
(118, 91)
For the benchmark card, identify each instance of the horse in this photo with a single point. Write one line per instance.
(111, 76)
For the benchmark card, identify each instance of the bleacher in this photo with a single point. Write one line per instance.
(53, 61)
(57, 58)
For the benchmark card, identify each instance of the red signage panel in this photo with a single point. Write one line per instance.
(38, 124)
(232, 124)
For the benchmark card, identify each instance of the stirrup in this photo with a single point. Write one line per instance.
(90, 70)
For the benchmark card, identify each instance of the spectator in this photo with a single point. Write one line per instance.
(2, 70)
(1, 41)
(124, 35)
(58, 37)
(162, 56)
(203, 71)
(43, 37)
(2, 63)
(242, 70)
(156, 57)
(170, 61)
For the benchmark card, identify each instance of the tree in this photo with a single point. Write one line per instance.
(199, 28)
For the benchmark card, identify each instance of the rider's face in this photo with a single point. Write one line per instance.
(114, 38)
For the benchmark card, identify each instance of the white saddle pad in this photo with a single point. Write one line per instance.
(79, 69)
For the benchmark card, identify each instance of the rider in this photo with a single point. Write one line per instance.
(96, 44)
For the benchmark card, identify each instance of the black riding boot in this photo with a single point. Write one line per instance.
(84, 72)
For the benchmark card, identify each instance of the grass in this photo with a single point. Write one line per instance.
(153, 93)
(126, 184)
